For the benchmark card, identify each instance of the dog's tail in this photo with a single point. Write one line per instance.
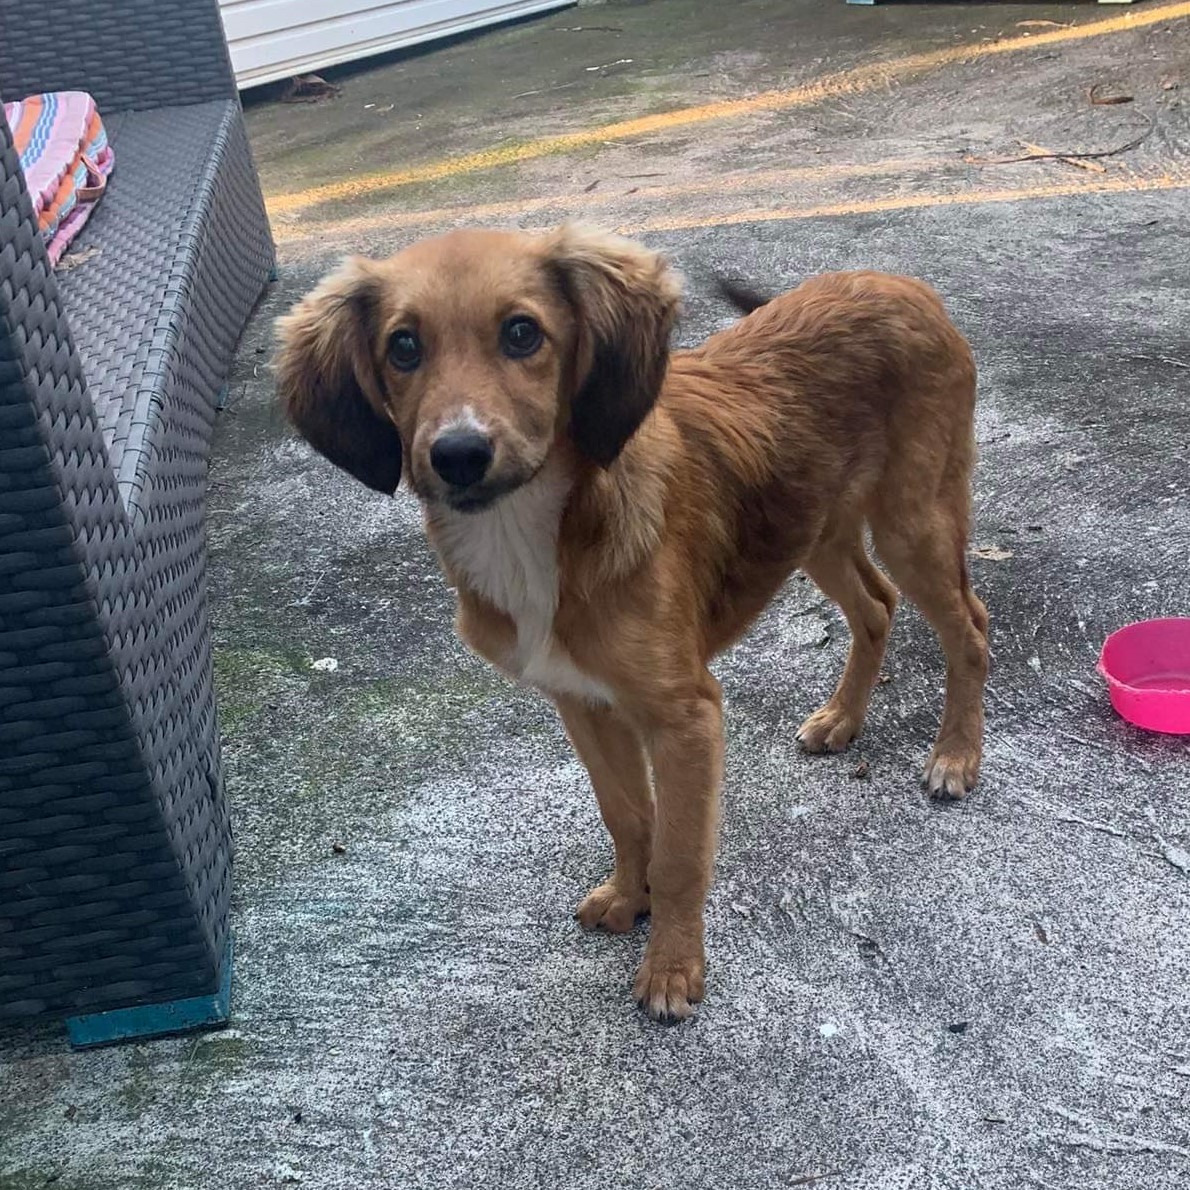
(744, 298)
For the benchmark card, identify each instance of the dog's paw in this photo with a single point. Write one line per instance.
(951, 772)
(668, 986)
(608, 908)
(829, 729)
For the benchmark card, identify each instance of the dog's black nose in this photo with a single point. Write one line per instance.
(461, 457)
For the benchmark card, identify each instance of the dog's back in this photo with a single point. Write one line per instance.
(854, 355)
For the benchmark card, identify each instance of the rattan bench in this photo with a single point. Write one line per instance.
(114, 837)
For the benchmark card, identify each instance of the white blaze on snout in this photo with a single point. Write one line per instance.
(465, 419)
(508, 554)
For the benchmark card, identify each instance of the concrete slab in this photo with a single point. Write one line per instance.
(799, 101)
(990, 995)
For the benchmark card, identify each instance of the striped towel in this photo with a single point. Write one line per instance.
(65, 158)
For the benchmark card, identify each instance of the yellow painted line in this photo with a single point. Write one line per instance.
(846, 82)
(909, 202)
(344, 228)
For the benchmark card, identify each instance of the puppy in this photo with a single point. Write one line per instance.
(614, 514)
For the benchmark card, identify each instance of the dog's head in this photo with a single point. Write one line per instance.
(471, 356)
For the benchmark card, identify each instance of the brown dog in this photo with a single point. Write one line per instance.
(614, 515)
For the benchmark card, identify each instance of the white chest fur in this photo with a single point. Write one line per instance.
(508, 554)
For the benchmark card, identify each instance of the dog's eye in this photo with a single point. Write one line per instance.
(404, 349)
(520, 336)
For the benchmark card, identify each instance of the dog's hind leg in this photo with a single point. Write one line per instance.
(924, 545)
(843, 571)
(614, 757)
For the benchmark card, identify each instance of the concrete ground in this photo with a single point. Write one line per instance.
(901, 995)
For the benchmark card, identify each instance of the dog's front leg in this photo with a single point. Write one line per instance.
(686, 748)
(615, 759)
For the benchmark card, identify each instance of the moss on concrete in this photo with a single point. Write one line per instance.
(45, 1177)
(321, 757)
(247, 679)
(139, 1085)
(214, 1058)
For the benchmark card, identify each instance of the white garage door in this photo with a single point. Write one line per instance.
(276, 39)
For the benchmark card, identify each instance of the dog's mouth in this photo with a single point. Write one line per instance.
(481, 497)
(472, 502)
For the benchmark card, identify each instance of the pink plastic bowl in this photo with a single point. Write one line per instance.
(1147, 667)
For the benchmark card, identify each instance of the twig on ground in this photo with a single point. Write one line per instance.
(1094, 167)
(1064, 154)
(545, 90)
(1078, 739)
(1162, 359)
(304, 601)
(1177, 857)
(1108, 1142)
(1102, 827)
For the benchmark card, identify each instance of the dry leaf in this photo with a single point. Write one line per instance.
(1092, 167)
(991, 553)
(1041, 25)
(309, 88)
(1104, 100)
(72, 260)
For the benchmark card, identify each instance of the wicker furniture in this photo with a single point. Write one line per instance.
(114, 838)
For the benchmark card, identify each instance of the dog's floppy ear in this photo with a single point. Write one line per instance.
(625, 300)
(328, 380)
